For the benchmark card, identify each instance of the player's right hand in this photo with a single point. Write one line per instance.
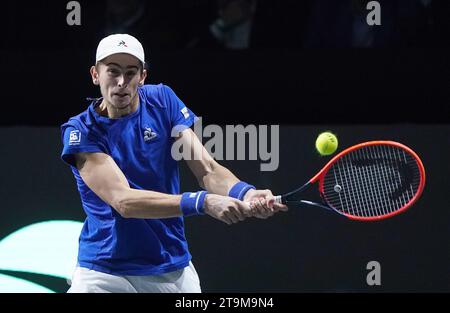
(226, 209)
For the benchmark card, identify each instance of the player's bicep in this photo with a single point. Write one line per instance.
(102, 175)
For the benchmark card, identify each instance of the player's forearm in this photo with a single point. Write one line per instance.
(134, 203)
(218, 180)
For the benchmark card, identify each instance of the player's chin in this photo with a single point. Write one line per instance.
(121, 103)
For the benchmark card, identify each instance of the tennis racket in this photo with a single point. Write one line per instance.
(369, 181)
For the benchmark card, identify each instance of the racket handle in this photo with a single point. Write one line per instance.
(278, 199)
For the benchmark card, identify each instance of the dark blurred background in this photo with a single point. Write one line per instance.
(310, 61)
(308, 66)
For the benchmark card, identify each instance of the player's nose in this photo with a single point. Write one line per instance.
(121, 81)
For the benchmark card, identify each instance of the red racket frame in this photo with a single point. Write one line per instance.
(321, 174)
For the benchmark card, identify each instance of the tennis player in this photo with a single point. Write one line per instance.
(119, 151)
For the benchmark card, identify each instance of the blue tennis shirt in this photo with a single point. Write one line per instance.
(140, 143)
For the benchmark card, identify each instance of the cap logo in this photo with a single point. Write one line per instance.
(122, 43)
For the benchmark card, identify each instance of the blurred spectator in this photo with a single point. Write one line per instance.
(160, 25)
(243, 24)
(231, 27)
(341, 24)
(234, 24)
(404, 23)
(229, 24)
(123, 16)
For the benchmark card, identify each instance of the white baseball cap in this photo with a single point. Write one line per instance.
(120, 43)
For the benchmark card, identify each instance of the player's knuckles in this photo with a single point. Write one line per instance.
(226, 221)
(245, 209)
(243, 217)
(231, 208)
(223, 216)
(261, 211)
(231, 216)
(237, 211)
(259, 207)
(261, 203)
(266, 205)
(239, 215)
(264, 210)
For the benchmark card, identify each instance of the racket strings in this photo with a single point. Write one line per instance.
(372, 181)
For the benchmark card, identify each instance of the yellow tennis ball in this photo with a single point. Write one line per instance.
(326, 143)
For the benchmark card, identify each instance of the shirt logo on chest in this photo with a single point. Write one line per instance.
(149, 134)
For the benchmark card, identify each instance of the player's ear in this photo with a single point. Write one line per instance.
(143, 77)
(94, 75)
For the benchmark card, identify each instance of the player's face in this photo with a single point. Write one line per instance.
(119, 76)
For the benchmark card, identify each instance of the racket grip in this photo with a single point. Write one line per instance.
(278, 199)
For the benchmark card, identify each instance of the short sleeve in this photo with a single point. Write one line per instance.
(181, 117)
(76, 140)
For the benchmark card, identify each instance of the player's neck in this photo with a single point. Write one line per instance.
(106, 109)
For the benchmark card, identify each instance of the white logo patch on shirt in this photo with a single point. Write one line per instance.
(185, 112)
(149, 134)
(74, 137)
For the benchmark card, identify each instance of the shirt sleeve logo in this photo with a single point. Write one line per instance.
(185, 112)
(74, 137)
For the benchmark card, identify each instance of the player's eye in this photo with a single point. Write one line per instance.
(131, 73)
(113, 71)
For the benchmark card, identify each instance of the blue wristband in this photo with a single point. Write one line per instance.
(239, 190)
(192, 203)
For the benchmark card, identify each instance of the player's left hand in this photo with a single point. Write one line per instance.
(262, 203)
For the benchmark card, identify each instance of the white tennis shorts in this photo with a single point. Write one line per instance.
(184, 280)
